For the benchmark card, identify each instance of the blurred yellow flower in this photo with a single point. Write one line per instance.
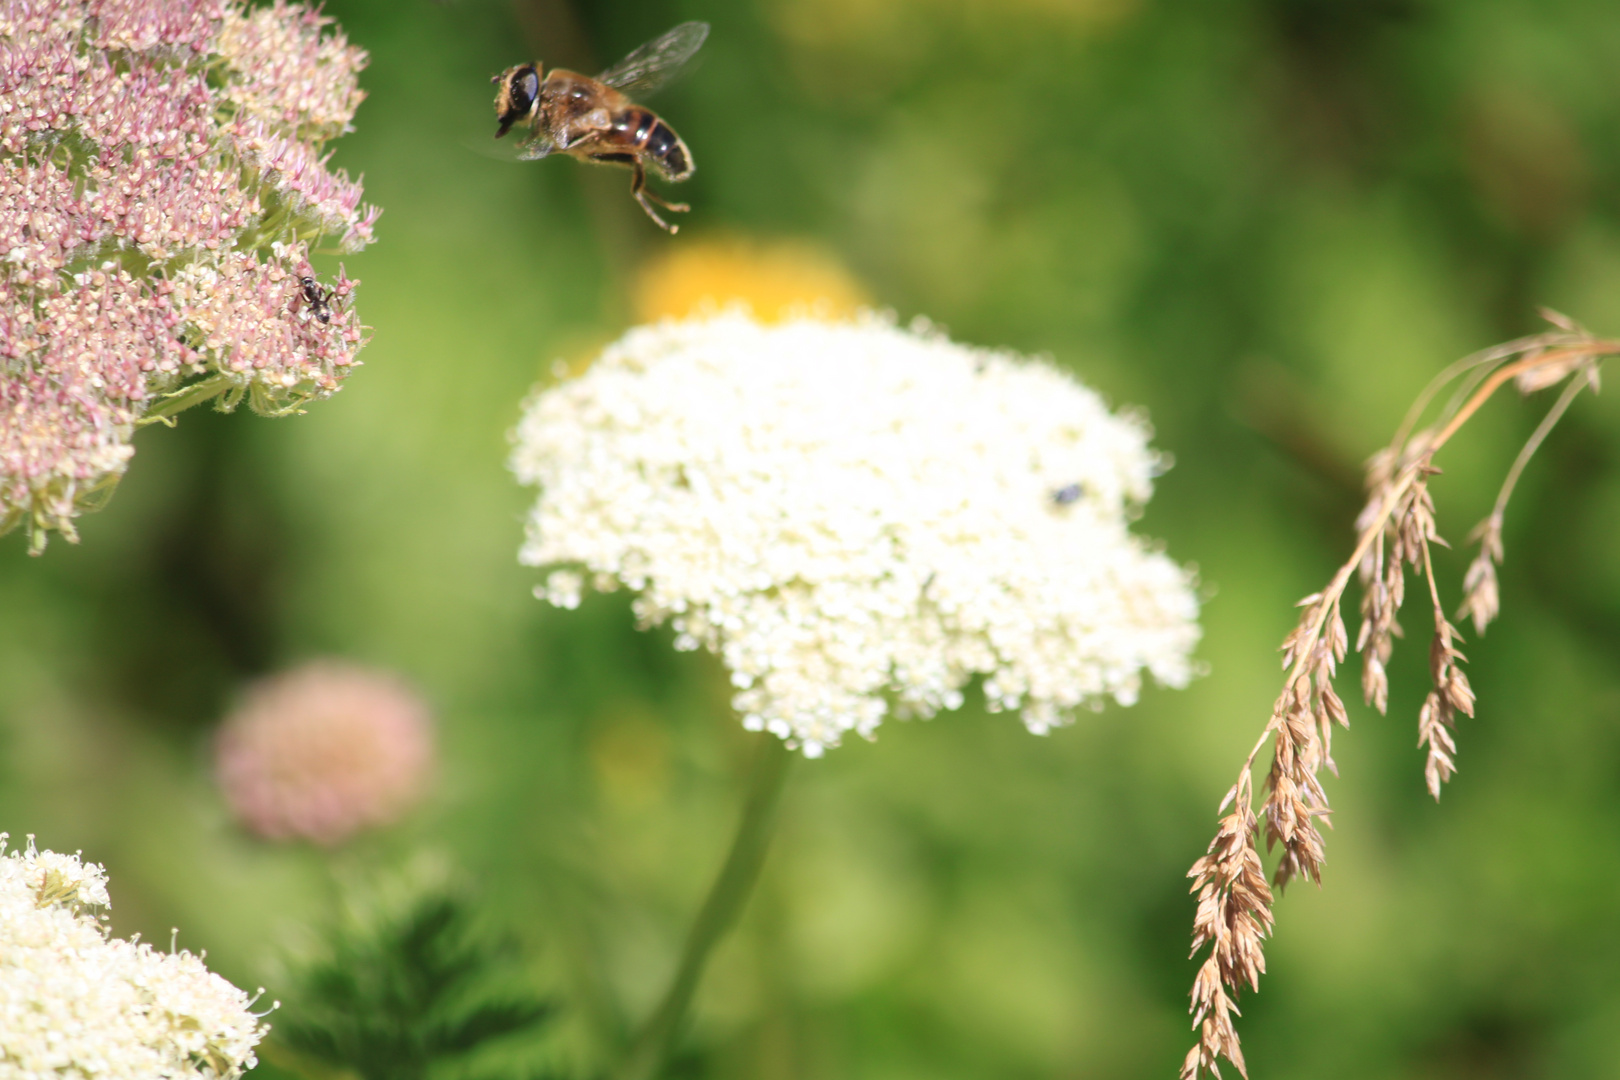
(630, 754)
(774, 280)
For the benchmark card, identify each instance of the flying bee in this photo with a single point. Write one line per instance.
(594, 119)
(318, 298)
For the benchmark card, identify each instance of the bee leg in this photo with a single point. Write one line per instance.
(678, 207)
(638, 189)
(638, 186)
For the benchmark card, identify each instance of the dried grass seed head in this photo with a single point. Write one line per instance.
(1396, 527)
(855, 516)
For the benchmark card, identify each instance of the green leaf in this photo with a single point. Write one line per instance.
(412, 990)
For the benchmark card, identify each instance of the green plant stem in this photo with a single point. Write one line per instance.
(720, 909)
(184, 398)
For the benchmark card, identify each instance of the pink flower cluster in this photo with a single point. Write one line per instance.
(324, 751)
(163, 183)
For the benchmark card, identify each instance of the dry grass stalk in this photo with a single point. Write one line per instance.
(1394, 532)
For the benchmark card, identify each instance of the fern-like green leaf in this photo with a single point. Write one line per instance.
(413, 991)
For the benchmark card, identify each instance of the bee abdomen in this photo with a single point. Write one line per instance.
(665, 147)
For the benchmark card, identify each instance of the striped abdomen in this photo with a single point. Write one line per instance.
(656, 141)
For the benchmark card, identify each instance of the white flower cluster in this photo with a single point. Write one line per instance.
(853, 515)
(76, 1004)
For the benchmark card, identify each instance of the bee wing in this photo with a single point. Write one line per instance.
(658, 61)
(535, 147)
(528, 148)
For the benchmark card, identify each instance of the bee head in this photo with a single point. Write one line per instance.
(517, 90)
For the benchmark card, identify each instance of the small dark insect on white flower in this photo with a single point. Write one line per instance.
(1068, 493)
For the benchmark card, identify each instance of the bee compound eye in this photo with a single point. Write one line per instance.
(525, 88)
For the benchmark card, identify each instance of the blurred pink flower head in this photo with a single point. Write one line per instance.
(324, 751)
(163, 182)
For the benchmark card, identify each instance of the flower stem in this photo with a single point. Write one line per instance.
(720, 909)
(184, 398)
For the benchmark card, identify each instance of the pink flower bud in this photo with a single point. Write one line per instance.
(324, 751)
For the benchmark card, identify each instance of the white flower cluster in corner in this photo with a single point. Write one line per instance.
(76, 1004)
(854, 515)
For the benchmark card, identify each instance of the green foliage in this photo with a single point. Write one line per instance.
(404, 998)
(1268, 222)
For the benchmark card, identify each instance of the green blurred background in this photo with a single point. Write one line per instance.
(1266, 221)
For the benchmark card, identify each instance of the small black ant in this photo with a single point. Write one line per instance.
(318, 298)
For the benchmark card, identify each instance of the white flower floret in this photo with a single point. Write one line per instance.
(855, 515)
(78, 1005)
